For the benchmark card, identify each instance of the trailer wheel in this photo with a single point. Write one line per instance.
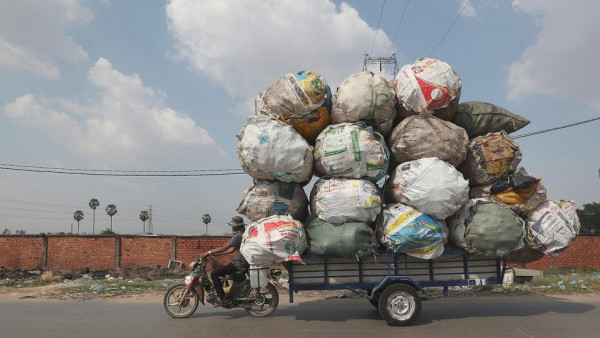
(399, 304)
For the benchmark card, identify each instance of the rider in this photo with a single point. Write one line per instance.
(237, 264)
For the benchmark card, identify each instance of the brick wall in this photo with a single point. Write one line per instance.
(584, 253)
(21, 251)
(90, 252)
(145, 251)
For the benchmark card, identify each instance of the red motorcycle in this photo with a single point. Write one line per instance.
(250, 291)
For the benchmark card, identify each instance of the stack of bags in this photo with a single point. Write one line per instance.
(403, 165)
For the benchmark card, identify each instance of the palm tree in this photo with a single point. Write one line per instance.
(206, 219)
(144, 217)
(111, 210)
(94, 203)
(78, 216)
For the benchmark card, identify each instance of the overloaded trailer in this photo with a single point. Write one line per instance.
(395, 283)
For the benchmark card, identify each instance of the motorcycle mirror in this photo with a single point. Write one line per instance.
(275, 272)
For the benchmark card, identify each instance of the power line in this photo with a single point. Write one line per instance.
(443, 37)
(119, 170)
(119, 175)
(556, 128)
(397, 28)
(377, 29)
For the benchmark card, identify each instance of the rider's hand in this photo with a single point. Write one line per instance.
(204, 256)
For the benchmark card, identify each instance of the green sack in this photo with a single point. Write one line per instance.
(480, 118)
(493, 229)
(348, 240)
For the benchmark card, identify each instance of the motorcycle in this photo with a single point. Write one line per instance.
(259, 298)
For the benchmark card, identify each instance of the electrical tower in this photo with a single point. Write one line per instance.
(381, 60)
(150, 229)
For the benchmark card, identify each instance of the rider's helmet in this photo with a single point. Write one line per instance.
(237, 224)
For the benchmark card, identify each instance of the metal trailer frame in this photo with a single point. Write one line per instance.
(454, 268)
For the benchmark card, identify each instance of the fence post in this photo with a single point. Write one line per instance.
(44, 251)
(174, 248)
(118, 251)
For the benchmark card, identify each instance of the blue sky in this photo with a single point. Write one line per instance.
(166, 85)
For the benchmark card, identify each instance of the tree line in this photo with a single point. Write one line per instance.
(110, 210)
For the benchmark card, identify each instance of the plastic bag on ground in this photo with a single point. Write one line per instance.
(490, 157)
(349, 240)
(405, 229)
(273, 240)
(480, 118)
(491, 228)
(267, 198)
(426, 136)
(270, 149)
(365, 97)
(521, 198)
(341, 200)
(427, 86)
(429, 185)
(351, 150)
(549, 230)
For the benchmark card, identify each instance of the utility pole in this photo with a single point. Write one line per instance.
(150, 228)
(380, 60)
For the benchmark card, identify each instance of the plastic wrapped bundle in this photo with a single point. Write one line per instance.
(366, 97)
(480, 118)
(351, 150)
(404, 229)
(270, 149)
(549, 230)
(521, 192)
(426, 136)
(273, 240)
(309, 125)
(490, 228)
(267, 198)
(525, 255)
(341, 200)
(349, 240)
(490, 157)
(570, 212)
(427, 86)
(429, 185)
(295, 95)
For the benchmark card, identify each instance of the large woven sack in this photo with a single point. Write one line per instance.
(549, 230)
(426, 136)
(427, 86)
(491, 228)
(368, 97)
(351, 150)
(525, 255)
(349, 240)
(429, 185)
(480, 118)
(309, 125)
(270, 149)
(341, 200)
(273, 240)
(295, 95)
(522, 198)
(490, 157)
(570, 212)
(267, 198)
(404, 229)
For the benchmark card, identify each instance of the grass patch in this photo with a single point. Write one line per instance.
(572, 282)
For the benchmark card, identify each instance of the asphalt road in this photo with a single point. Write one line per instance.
(531, 316)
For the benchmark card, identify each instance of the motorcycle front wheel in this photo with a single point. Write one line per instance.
(266, 302)
(179, 302)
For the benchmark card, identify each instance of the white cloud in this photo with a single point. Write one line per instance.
(33, 34)
(247, 45)
(129, 124)
(562, 60)
(469, 10)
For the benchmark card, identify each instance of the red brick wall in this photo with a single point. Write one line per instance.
(145, 251)
(24, 252)
(189, 249)
(584, 252)
(90, 252)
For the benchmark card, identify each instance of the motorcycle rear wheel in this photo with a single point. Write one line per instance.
(266, 303)
(179, 302)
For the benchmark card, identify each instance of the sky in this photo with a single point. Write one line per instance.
(167, 85)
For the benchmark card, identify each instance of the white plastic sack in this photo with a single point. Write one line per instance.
(273, 240)
(426, 85)
(270, 149)
(429, 185)
(570, 212)
(368, 97)
(404, 229)
(267, 198)
(351, 150)
(340, 200)
(549, 230)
